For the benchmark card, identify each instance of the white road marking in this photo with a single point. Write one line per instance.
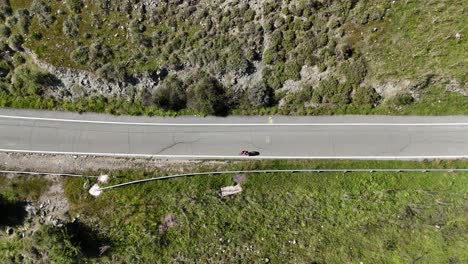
(226, 124)
(126, 155)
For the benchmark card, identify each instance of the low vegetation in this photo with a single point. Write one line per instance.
(297, 57)
(318, 217)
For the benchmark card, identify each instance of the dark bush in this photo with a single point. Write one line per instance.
(36, 36)
(325, 91)
(305, 94)
(16, 41)
(75, 5)
(364, 95)
(5, 9)
(18, 59)
(4, 69)
(402, 99)
(206, 95)
(260, 95)
(292, 70)
(236, 60)
(27, 81)
(80, 55)
(171, 95)
(343, 51)
(23, 20)
(275, 76)
(71, 26)
(5, 31)
(354, 70)
(42, 11)
(100, 53)
(108, 72)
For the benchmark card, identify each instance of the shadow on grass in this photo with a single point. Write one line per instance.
(13, 213)
(88, 240)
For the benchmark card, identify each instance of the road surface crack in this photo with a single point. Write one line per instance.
(405, 146)
(175, 143)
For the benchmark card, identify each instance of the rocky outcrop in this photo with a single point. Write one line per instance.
(73, 83)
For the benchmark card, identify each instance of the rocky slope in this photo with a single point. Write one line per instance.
(308, 53)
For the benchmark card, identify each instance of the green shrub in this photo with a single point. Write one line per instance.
(42, 11)
(71, 26)
(100, 53)
(260, 95)
(171, 95)
(16, 41)
(366, 96)
(75, 5)
(304, 95)
(343, 51)
(18, 59)
(5, 9)
(270, 7)
(289, 38)
(292, 70)
(269, 56)
(206, 95)
(237, 63)
(402, 99)
(5, 31)
(80, 55)
(275, 40)
(274, 77)
(109, 72)
(326, 90)
(28, 81)
(354, 70)
(36, 36)
(23, 20)
(4, 69)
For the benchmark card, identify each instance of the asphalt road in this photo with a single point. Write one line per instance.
(369, 137)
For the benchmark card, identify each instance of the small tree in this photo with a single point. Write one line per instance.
(171, 95)
(207, 96)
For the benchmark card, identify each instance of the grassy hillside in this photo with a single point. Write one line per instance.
(301, 57)
(278, 218)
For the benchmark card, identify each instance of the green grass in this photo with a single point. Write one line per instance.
(435, 101)
(22, 188)
(96, 104)
(293, 218)
(416, 38)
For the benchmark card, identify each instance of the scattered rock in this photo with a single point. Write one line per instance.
(104, 249)
(9, 231)
(168, 221)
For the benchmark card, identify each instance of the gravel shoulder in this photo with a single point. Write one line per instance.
(72, 163)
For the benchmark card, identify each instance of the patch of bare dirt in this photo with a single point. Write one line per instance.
(168, 221)
(53, 204)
